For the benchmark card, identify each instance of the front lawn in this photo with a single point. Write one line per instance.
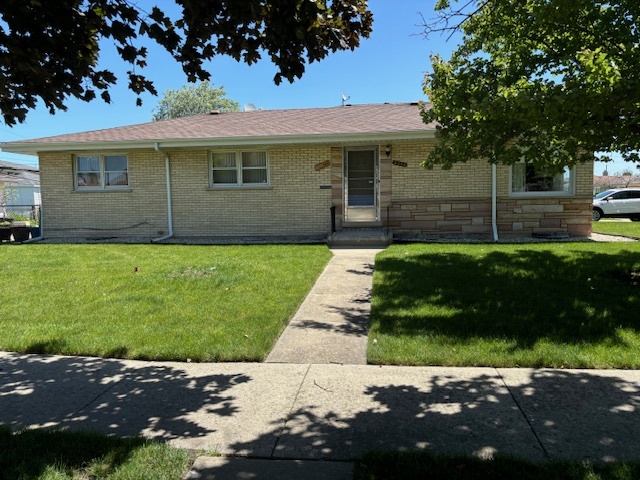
(562, 305)
(52, 455)
(617, 227)
(160, 302)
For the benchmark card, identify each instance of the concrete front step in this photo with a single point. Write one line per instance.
(360, 238)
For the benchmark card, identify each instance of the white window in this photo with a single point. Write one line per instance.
(239, 169)
(95, 172)
(527, 180)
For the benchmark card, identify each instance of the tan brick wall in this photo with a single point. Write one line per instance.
(419, 200)
(465, 180)
(294, 204)
(139, 211)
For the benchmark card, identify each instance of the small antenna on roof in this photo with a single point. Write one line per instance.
(249, 107)
(344, 98)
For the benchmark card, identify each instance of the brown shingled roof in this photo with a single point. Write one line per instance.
(351, 120)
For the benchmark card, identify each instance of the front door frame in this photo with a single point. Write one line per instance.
(358, 213)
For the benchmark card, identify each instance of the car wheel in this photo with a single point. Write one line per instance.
(635, 218)
(596, 215)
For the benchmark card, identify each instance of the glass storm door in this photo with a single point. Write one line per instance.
(361, 184)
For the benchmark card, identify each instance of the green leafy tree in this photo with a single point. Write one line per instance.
(545, 81)
(49, 50)
(193, 99)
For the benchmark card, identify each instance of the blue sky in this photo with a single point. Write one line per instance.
(388, 67)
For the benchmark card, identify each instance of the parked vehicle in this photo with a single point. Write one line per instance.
(617, 203)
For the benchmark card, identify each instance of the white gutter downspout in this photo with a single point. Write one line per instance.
(494, 208)
(156, 147)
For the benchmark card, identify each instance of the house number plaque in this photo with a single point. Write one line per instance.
(399, 163)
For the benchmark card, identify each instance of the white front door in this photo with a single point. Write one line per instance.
(361, 184)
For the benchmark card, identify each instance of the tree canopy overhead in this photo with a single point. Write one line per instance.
(49, 50)
(193, 99)
(545, 81)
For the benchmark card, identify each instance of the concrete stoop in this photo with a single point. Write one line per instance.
(364, 237)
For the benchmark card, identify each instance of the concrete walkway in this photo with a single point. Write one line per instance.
(328, 412)
(332, 323)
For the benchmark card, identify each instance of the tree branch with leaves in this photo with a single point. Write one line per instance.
(50, 51)
(549, 82)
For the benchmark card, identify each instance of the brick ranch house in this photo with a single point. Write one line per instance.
(277, 174)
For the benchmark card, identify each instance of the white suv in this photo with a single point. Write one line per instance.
(619, 202)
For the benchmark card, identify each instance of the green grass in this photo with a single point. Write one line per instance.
(617, 227)
(563, 305)
(54, 455)
(57, 455)
(391, 466)
(162, 302)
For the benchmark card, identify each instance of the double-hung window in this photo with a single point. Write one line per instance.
(239, 169)
(527, 180)
(101, 172)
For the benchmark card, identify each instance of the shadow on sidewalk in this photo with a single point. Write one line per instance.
(543, 414)
(112, 396)
(338, 413)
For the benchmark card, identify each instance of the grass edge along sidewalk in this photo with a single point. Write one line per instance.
(559, 305)
(153, 302)
(617, 227)
(59, 455)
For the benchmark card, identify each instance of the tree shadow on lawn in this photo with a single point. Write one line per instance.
(522, 297)
(31, 453)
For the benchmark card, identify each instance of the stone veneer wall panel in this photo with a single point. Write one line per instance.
(525, 216)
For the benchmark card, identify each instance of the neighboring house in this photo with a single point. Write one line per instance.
(12, 174)
(278, 173)
(23, 180)
(606, 182)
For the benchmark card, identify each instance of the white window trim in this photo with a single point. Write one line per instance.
(102, 187)
(570, 193)
(239, 169)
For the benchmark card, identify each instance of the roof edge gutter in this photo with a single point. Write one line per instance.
(156, 147)
(32, 148)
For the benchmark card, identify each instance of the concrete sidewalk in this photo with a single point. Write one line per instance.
(330, 412)
(332, 323)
